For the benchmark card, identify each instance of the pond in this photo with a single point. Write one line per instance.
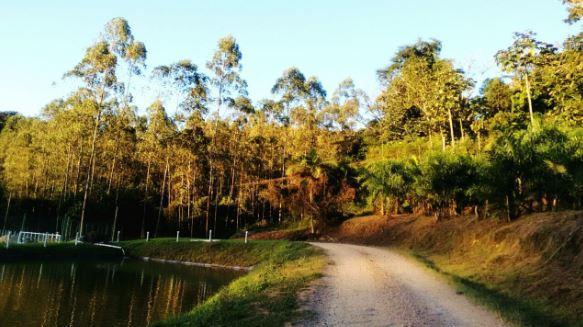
(83, 293)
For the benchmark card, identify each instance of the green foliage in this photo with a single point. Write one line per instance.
(520, 171)
(391, 179)
(448, 181)
(204, 156)
(423, 93)
(575, 9)
(534, 165)
(4, 116)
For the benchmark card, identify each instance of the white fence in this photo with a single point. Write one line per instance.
(21, 237)
(30, 237)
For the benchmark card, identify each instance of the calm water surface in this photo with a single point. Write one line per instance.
(128, 293)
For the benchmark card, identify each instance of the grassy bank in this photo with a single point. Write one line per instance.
(264, 297)
(529, 270)
(56, 251)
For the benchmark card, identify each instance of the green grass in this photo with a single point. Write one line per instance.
(516, 310)
(264, 297)
(56, 251)
(224, 252)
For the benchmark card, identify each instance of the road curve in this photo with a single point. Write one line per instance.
(369, 286)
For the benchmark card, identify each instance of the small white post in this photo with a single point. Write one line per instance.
(8, 240)
(147, 236)
(76, 238)
(246, 234)
(45, 240)
(118, 236)
(177, 235)
(210, 235)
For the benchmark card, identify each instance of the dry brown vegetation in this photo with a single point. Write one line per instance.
(538, 258)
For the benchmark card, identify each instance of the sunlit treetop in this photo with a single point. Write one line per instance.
(575, 8)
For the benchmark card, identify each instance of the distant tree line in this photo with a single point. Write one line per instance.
(93, 162)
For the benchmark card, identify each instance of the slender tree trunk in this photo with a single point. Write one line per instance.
(213, 147)
(63, 190)
(382, 205)
(78, 172)
(529, 99)
(92, 174)
(115, 213)
(161, 197)
(7, 210)
(192, 200)
(142, 229)
(169, 180)
(111, 175)
(450, 117)
(208, 199)
(217, 196)
(66, 181)
(461, 129)
(188, 198)
(397, 205)
(508, 213)
(442, 140)
(91, 159)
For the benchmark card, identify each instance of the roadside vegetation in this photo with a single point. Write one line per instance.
(528, 270)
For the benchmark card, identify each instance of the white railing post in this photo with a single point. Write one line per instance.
(177, 235)
(246, 234)
(118, 236)
(76, 238)
(210, 235)
(45, 240)
(147, 236)
(8, 240)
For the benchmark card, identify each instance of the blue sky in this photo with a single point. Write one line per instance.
(331, 39)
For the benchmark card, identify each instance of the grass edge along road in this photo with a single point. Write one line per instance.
(514, 309)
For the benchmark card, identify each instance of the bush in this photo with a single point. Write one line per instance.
(530, 169)
(533, 168)
(448, 181)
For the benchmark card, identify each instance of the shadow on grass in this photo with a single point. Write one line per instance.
(519, 311)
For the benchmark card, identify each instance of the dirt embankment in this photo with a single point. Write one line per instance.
(537, 257)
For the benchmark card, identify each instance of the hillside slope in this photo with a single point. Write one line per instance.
(531, 268)
(534, 263)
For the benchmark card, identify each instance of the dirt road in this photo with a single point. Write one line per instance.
(368, 286)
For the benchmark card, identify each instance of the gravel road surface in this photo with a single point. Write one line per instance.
(370, 286)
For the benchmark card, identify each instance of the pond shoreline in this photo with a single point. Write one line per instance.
(265, 296)
(57, 251)
(275, 272)
(197, 264)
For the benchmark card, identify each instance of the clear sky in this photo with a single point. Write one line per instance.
(331, 39)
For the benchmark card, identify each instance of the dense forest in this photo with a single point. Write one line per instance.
(433, 142)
